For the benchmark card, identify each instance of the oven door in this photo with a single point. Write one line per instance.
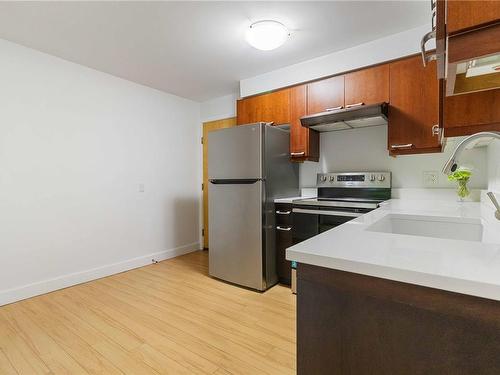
(310, 221)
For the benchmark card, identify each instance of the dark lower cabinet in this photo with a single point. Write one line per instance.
(283, 212)
(283, 241)
(351, 324)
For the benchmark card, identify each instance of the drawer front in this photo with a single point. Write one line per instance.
(283, 214)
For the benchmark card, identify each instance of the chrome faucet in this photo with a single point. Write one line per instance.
(495, 203)
(452, 163)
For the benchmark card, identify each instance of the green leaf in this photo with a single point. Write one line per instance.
(460, 175)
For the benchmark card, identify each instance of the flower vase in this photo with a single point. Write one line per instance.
(463, 191)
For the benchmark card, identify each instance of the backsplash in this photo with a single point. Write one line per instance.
(366, 150)
(493, 156)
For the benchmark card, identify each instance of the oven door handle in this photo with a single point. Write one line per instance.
(329, 213)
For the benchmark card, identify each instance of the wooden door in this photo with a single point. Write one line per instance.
(414, 107)
(208, 127)
(467, 15)
(367, 86)
(270, 107)
(325, 94)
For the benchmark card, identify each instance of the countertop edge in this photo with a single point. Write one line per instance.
(456, 285)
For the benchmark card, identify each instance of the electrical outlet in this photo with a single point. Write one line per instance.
(141, 188)
(430, 178)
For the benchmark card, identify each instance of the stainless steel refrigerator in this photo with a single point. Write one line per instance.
(248, 167)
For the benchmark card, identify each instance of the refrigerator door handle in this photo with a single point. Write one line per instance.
(235, 181)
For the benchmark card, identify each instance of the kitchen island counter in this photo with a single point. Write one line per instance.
(463, 266)
(374, 299)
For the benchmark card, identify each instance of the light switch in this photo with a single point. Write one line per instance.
(141, 188)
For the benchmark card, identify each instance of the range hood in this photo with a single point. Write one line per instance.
(352, 117)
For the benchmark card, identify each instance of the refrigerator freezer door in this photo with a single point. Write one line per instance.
(235, 232)
(235, 153)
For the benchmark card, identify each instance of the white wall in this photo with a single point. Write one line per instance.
(75, 144)
(494, 167)
(218, 108)
(374, 52)
(366, 150)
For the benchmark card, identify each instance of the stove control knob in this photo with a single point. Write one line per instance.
(372, 177)
(322, 178)
(332, 178)
(381, 177)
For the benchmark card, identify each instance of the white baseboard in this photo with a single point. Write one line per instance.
(45, 286)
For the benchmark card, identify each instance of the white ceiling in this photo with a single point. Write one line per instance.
(197, 49)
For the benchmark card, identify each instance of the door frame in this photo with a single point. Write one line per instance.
(206, 128)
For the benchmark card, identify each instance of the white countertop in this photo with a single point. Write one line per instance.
(305, 193)
(288, 200)
(468, 267)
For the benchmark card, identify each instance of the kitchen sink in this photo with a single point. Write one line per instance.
(430, 226)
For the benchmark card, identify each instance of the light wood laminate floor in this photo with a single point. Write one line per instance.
(167, 318)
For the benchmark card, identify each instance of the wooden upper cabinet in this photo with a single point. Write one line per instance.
(304, 142)
(471, 113)
(271, 107)
(325, 95)
(367, 86)
(298, 134)
(414, 107)
(464, 15)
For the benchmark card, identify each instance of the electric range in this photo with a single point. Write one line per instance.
(341, 197)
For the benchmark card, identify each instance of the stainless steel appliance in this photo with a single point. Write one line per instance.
(353, 116)
(248, 167)
(341, 197)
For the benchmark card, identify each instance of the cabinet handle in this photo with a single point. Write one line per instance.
(297, 153)
(433, 10)
(284, 229)
(408, 145)
(354, 105)
(436, 131)
(334, 108)
(283, 212)
(327, 213)
(425, 57)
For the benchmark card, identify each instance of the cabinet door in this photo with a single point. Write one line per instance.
(367, 86)
(471, 113)
(467, 15)
(414, 107)
(304, 142)
(298, 134)
(283, 241)
(284, 267)
(271, 107)
(325, 94)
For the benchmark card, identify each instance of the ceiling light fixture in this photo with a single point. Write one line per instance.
(267, 35)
